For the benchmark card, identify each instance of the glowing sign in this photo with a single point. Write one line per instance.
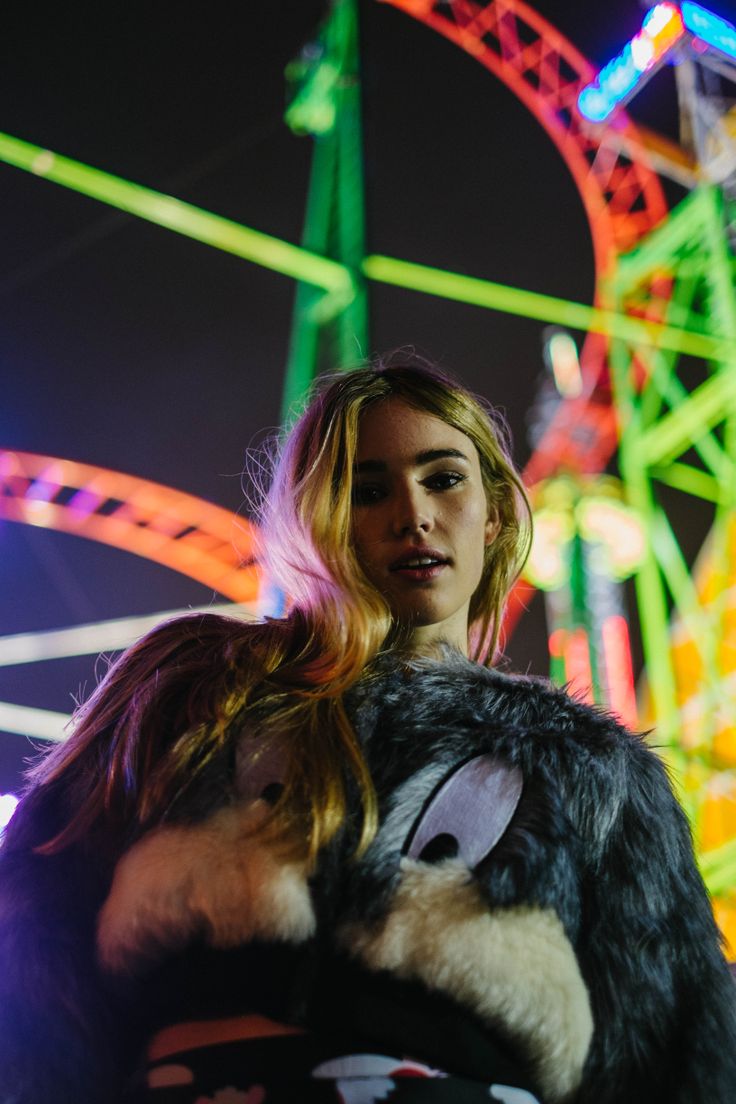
(662, 28)
(710, 28)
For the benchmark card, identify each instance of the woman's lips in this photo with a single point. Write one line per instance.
(420, 574)
(419, 564)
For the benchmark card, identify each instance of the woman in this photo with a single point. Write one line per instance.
(336, 856)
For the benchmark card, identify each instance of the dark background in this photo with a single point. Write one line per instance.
(126, 346)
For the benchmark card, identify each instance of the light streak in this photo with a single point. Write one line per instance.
(90, 639)
(25, 720)
(545, 308)
(335, 278)
(184, 218)
(618, 668)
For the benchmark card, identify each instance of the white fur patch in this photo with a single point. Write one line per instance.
(515, 967)
(216, 879)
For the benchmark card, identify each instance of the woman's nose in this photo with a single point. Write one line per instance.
(411, 512)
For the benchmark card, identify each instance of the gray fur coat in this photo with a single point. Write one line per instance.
(531, 865)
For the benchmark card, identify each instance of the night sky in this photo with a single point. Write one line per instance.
(126, 346)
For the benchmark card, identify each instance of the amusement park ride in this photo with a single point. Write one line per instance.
(652, 394)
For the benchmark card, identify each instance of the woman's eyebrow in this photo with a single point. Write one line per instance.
(440, 454)
(426, 457)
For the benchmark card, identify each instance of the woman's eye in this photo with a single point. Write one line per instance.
(442, 481)
(366, 493)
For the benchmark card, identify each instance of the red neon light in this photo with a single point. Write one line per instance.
(556, 643)
(578, 674)
(619, 669)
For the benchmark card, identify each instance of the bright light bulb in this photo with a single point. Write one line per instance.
(658, 17)
(642, 51)
(8, 803)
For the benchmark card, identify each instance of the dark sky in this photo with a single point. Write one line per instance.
(128, 347)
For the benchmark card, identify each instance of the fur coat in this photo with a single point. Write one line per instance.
(531, 867)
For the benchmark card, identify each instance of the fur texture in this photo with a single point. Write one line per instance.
(593, 879)
(513, 967)
(597, 839)
(214, 880)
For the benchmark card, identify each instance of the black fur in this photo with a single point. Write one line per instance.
(597, 837)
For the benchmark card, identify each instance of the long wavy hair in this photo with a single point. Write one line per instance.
(174, 705)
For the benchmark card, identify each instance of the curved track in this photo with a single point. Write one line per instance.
(178, 530)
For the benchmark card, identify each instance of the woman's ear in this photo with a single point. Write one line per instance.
(493, 526)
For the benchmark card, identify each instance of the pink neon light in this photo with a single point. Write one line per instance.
(619, 669)
(41, 491)
(84, 502)
(556, 643)
(578, 674)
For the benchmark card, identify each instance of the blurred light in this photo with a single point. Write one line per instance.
(563, 359)
(546, 308)
(547, 566)
(184, 218)
(8, 803)
(616, 82)
(43, 724)
(556, 643)
(619, 669)
(84, 502)
(710, 28)
(578, 674)
(100, 636)
(595, 104)
(618, 529)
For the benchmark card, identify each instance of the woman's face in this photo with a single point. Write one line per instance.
(420, 518)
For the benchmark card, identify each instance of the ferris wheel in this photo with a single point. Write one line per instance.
(638, 324)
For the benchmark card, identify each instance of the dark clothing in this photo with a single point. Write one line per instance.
(528, 914)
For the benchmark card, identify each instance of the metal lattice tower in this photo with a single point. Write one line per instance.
(326, 104)
(678, 438)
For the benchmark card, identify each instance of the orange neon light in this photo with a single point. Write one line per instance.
(179, 530)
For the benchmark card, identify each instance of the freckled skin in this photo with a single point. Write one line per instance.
(404, 501)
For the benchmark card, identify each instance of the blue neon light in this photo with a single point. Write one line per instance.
(594, 104)
(661, 29)
(618, 80)
(710, 28)
(620, 75)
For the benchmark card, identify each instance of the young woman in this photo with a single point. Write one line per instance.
(337, 856)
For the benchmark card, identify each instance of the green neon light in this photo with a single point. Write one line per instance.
(184, 218)
(693, 481)
(327, 104)
(662, 382)
(676, 431)
(545, 308)
(335, 278)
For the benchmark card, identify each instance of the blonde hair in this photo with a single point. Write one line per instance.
(307, 522)
(174, 705)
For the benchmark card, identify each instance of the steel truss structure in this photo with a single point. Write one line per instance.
(678, 438)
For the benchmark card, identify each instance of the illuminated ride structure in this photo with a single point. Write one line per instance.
(172, 528)
(656, 376)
